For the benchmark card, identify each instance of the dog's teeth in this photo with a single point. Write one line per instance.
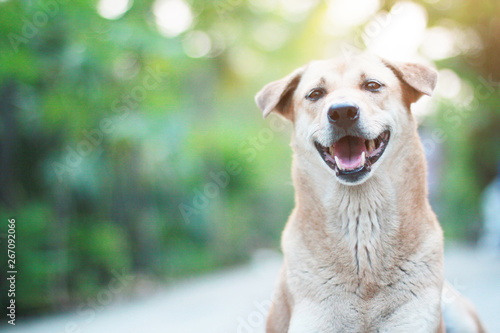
(363, 158)
(370, 145)
(338, 163)
(331, 150)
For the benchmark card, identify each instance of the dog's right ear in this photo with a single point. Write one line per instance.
(277, 96)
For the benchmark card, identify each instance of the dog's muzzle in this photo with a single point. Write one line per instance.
(352, 157)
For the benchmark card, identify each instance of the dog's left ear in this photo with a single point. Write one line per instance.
(417, 79)
(277, 96)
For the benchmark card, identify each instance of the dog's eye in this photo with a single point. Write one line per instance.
(372, 85)
(316, 94)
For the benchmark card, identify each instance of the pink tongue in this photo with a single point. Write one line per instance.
(348, 151)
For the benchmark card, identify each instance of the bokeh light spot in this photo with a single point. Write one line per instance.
(342, 15)
(113, 9)
(400, 32)
(173, 17)
(197, 44)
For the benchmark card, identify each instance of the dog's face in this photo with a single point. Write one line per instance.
(350, 112)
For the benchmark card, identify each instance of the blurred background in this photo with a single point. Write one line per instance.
(130, 143)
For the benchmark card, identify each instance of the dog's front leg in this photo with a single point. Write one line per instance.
(278, 319)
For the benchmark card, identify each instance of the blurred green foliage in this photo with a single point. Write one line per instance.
(116, 147)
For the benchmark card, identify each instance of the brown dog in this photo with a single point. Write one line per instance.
(363, 251)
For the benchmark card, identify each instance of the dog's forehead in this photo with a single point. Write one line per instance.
(346, 70)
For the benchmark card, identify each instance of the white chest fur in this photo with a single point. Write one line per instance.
(364, 224)
(351, 274)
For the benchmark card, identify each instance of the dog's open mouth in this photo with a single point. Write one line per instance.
(352, 157)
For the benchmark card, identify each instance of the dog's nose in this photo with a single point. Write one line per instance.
(343, 114)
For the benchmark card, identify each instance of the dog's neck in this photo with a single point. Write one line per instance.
(366, 220)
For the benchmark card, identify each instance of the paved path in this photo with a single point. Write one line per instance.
(236, 300)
